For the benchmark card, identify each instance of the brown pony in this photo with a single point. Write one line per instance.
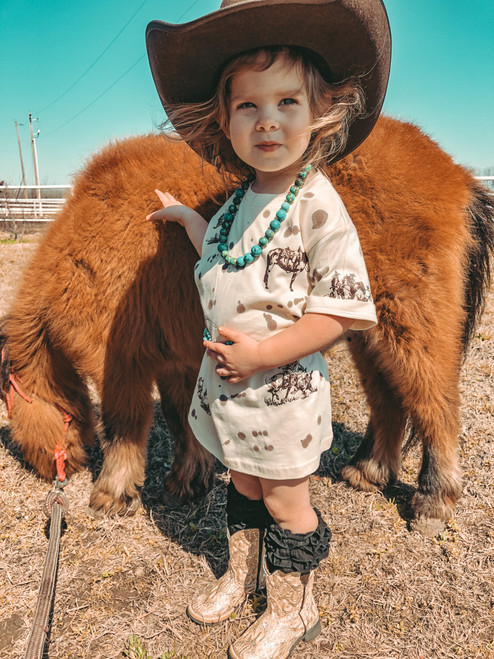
(110, 297)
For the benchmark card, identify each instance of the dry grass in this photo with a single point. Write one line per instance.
(384, 592)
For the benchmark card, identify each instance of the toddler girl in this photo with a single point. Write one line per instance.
(281, 277)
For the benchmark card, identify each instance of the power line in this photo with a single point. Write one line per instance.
(97, 98)
(118, 79)
(95, 61)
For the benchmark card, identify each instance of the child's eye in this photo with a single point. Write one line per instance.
(247, 104)
(287, 101)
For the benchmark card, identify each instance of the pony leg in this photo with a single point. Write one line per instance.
(191, 474)
(126, 412)
(439, 482)
(377, 460)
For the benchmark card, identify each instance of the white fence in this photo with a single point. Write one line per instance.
(31, 203)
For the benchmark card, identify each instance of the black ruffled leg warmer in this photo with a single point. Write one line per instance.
(296, 552)
(243, 513)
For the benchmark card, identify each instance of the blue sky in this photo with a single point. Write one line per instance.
(442, 76)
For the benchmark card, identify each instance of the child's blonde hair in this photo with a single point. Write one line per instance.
(334, 107)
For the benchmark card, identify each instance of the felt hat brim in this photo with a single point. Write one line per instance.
(352, 37)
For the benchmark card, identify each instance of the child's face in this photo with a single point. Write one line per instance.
(270, 118)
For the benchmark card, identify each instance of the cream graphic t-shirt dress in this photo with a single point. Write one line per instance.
(276, 423)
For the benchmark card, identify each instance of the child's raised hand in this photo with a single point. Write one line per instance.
(172, 211)
(237, 361)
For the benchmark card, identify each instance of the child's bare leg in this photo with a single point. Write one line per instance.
(248, 486)
(289, 503)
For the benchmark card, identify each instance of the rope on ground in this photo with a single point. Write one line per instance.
(56, 505)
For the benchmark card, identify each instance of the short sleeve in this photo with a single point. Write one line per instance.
(339, 283)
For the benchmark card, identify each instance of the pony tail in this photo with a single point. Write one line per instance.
(480, 253)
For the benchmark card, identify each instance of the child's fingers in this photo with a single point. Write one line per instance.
(228, 333)
(167, 199)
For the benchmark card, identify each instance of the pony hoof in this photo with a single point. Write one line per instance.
(102, 503)
(355, 477)
(173, 501)
(429, 527)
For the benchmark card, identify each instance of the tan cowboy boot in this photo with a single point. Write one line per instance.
(218, 601)
(290, 617)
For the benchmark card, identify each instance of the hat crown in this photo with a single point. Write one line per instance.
(231, 3)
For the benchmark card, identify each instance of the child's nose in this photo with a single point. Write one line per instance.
(266, 121)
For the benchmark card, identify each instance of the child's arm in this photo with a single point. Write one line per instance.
(174, 211)
(309, 334)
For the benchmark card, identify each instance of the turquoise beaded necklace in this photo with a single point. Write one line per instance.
(226, 220)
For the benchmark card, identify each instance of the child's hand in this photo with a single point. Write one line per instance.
(238, 361)
(172, 211)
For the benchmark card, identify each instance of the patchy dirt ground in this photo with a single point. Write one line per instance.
(384, 592)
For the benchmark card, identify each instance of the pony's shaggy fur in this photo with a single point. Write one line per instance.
(111, 297)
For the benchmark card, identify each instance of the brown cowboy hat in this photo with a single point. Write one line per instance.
(351, 36)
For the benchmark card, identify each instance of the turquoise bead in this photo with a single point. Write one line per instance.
(223, 231)
(275, 225)
(227, 217)
(248, 258)
(285, 206)
(240, 262)
(302, 174)
(281, 215)
(294, 190)
(269, 233)
(256, 250)
(290, 198)
(232, 208)
(239, 193)
(263, 241)
(298, 182)
(222, 248)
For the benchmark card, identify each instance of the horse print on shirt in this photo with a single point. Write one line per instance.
(348, 288)
(293, 382)
(202, 394)
(288, 260)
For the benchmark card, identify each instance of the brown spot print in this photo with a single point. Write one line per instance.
(319, 219)
(305, 442)
(254, 433)
(227, 442)
(240, 307)
(319, 419)
(265, 433)
(298, 300)
(266, 213)
(269, 306)
(308, 195)
(268, 448)
(288, 232)
(241, 435)
(280, 306)
(256, 448)
(295, 230)
(210, 304)
(290, 304)
(223, 399)
(193, 414)
(270, 321)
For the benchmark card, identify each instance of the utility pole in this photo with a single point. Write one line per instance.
(35, 161)
(22, 162)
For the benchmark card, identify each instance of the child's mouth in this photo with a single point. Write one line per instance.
(268, 146)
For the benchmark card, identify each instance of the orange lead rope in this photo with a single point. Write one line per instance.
(60, 454)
